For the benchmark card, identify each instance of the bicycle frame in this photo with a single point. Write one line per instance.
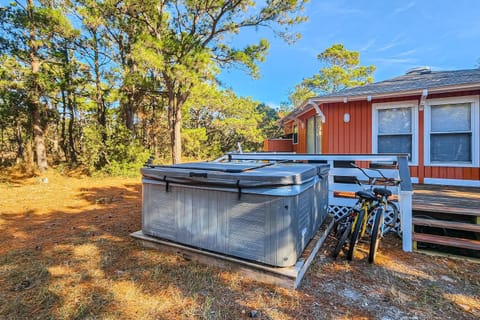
(367, 207)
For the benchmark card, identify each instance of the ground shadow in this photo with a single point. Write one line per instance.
(80, 262)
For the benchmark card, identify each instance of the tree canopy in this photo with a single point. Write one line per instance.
(341, 70)
(106, 83)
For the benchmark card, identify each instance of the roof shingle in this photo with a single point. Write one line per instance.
(412, 81)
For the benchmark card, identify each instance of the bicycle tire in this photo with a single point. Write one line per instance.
(344, 233)
(355, 235)
(376, 234)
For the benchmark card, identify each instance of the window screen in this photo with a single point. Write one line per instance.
(394, 130)
(450, 133)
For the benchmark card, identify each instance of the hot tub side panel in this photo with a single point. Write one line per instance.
(158, 207)
(321, 202)
(256, 227)
(191, 216)
(260, 229)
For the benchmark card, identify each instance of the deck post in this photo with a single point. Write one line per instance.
(405, 202)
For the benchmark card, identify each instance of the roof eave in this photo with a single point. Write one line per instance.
(386, 95)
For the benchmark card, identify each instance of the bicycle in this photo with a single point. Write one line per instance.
(377, 215)
(345, 224)
(354, 223)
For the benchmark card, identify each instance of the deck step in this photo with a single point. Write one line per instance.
(447, 241)
(441, 207)
(446, 224)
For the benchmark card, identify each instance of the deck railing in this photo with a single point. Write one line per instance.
(340, 190)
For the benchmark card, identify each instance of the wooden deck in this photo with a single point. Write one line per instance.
(447, 199)
(446, 220)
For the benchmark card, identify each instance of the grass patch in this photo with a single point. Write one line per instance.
(67, 256)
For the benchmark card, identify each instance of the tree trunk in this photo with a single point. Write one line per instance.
(175, 104)
(39, 139)
(29, 161)
(56, 145)
(101, 109)
(63, 134)
(71, 139)
(19, 140)
(68, 100)
(129, 113)
(177, 95)
(177, 139)
(35, 105)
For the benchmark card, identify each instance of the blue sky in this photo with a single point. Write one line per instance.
(393, 35)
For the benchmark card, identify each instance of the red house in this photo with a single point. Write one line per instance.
(433, 116)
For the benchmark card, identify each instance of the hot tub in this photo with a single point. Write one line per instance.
(256, 211)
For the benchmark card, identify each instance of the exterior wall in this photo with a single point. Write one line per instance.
(279, 145)
(355, 136)
(339, 137)
(436, 172)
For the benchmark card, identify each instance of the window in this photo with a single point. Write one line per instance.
(395, 128)
(314, 135)
(295, 134)
(451, 131)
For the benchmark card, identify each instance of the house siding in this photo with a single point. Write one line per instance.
(339, 137)
(278, 145)
(355, 136)
(352, 137)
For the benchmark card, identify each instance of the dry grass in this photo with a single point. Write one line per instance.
(67, 254)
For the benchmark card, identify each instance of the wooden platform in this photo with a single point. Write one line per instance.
(446, 199)
(447, 241)
(446, 217)
(285, 277)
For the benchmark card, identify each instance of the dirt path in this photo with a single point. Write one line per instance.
(66, 253)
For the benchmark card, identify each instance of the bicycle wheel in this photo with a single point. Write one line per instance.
(343, 234)
(376, 234)
(355, 235)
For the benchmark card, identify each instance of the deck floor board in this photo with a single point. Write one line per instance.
(447, 199)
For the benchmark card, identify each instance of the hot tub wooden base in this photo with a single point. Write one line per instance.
(289, 277)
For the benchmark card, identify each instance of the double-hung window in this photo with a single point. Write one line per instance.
(451, 131)
(395, 128)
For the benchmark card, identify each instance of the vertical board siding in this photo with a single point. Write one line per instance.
(352, 137)
(279, 145)
(451, 173)
(414, 171)
(355, 136)
(474, 173)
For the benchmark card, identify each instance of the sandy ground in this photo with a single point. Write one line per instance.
(66, 253)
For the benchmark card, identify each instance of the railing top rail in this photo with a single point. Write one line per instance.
(401, 159)
(307, 156)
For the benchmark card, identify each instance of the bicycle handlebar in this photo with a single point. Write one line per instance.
(374, 178)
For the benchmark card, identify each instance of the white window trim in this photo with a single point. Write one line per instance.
(413, 104)
(474, 100)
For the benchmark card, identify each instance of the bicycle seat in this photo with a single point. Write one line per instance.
(366, 195)
(382, 191)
